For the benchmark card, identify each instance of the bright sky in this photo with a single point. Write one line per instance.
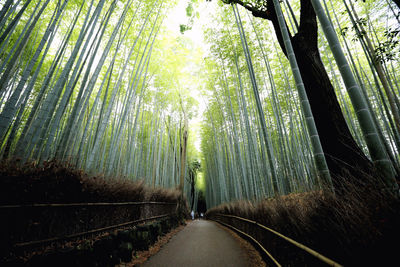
(178, 16)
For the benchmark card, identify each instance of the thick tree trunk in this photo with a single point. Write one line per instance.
(344, 157)
(192, 193)
(397, 2)
(183, 155)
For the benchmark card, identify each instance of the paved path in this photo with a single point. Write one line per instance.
(201, 243)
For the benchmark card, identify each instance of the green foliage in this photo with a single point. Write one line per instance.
(191, 14)
(124, 113)
(389, 50)
(224, 125)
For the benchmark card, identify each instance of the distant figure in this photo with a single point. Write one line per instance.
(192, 213)
(201, 215)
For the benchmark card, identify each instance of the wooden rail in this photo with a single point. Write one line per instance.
(94, 231)
(52, 206)
(293, 242)
(254, 240)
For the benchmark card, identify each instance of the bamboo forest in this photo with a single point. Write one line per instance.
(280, 113)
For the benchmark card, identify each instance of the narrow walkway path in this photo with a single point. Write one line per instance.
(201, 243)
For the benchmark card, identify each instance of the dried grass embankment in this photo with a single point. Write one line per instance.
(54, 182)
(358, 228)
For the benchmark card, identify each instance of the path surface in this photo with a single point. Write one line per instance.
(201, 243)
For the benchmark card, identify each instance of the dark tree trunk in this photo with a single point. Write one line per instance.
(192, 195)
(344, 157)
(397, 2)
(192, 181)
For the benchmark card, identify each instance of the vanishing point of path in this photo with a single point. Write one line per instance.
(201, 243)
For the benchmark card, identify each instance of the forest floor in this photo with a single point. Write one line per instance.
(204, 243)
(142, 256)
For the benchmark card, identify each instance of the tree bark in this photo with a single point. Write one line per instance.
(183, 154)
(342, 153)
(345, 159)
(397, 2)
(192, 184)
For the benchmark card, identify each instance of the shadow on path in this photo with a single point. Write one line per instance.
(201, 243)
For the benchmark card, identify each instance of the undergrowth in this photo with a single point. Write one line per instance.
(359, 227)
(55, 182)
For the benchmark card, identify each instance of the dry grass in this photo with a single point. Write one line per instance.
(353, 228)
(54, 182)
(142, 256)
(164, 195)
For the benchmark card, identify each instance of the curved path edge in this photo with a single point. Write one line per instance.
(200, 243)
